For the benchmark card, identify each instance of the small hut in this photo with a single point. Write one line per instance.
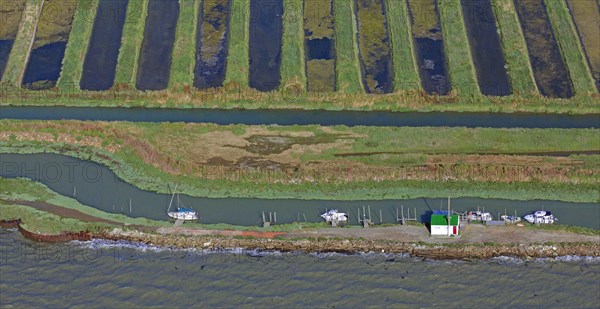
(444, 223)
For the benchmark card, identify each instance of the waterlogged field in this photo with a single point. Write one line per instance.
(549, 68)
(319, 45)
(48, 48)
(10, 15)
(211, 44)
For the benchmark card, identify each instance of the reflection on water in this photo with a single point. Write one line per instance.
(101, 58)
(120, 274)
(429, 46)
(265, 43)
(97, 186)
(5, 47)
(549, 69)
(485, 47)
(43, 68)
(154, 65)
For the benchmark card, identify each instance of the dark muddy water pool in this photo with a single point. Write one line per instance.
(154, 65)
(44, 66)
(549, 68)
(5, 47)
(103, 51)
(486, 48)
(266, 29)
(211, 44)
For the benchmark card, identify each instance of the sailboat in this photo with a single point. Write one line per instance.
(182, 213)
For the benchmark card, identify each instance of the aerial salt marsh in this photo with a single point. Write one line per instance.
(586, 15)
(319, 43)
(10, 15)
(212, 43)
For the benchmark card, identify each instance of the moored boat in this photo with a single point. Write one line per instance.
(333, 215)
(540, 217)
(182, 213)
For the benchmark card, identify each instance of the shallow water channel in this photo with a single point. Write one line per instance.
(95, 185)
(100, 62)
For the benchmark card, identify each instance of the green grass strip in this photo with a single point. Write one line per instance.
(131, 42)
(184, 48)
(456, 45)
(348, 74)
(238, 61)
(293, 71)
(19, 55)
(520, 72)
(77, 45)
(406, 73)
(570, 46)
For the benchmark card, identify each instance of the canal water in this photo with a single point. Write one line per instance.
(319, 45)
(374, 47)
(212, 43)
(97, 186)
(429, 46)
(486, 47)
(49, 45)
(154, 64)
(266, 31)
(304, 117)
(100, 62)
(128, 275)
(549, 68)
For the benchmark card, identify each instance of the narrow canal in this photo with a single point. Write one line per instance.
(304, 117)
(429, 46)
(486, 47)
(319, 45)
(374, 47)
(212, 43)
(549, 68)
(154, 64)
(103, 51)
(266, 31)
(48, 50)
(586, 14)
(10, 17)
(97, 186)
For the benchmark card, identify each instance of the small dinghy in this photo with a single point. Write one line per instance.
(334, 216)
(540, 217)
(510, 219)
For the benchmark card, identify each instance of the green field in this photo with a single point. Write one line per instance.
(184, 47)
(293, 73)
(131, 42)
(328, 162)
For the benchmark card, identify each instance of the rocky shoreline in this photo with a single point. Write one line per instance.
(350, 246)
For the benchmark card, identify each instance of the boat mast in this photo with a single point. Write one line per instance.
(172, 197)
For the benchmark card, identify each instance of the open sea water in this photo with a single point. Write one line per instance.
(103, 273)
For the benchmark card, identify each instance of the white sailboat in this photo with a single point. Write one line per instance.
(333, 215)
(182, 213)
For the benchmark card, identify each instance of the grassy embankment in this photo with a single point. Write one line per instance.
(238, 62)
(520, 72)
(313, 162)
(19, 55)
(406, 73)
(570, 47)
(131, 42)
(348, 75)
(77, 45)
(184, 47)
(586, 15)
(293, 72)
(456, 46)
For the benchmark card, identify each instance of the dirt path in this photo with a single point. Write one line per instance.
(473, 233)
(62, 211)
